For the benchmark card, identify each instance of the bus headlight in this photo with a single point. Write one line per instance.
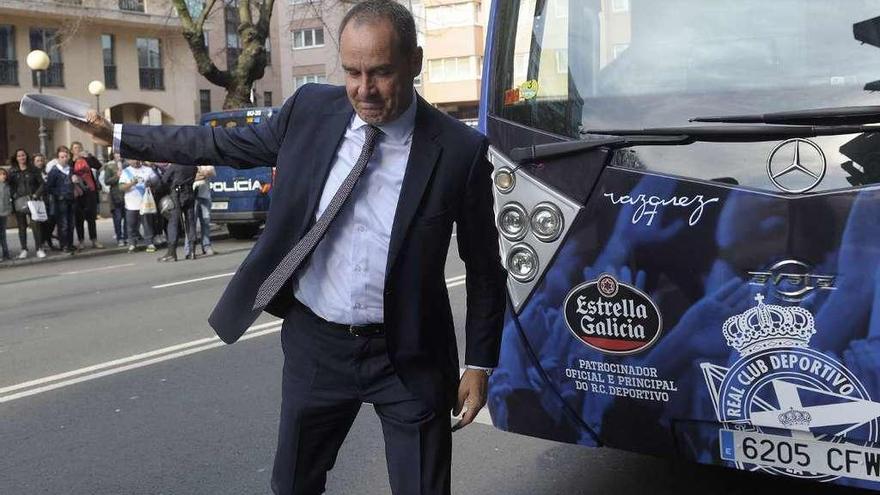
(504, 180)
(513, 221)
(547, 222)
(522, 263)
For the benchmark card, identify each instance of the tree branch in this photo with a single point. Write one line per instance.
(194, 35)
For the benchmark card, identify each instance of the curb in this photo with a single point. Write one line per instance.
(90, 253)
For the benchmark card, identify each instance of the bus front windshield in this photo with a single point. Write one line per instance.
(567, 65)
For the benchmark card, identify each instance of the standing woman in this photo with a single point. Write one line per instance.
(61, 186)
(26, 184)
(48, 226)
(87, 203)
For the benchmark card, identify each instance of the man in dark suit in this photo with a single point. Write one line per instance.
(370, 179)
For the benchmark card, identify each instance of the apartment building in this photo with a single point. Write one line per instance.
(451, 32)
(133, 46)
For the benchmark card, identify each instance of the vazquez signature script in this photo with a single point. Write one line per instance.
(647, 206)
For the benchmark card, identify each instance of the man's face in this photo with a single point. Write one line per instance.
(39, 162)
(63, 157)
(378, 78)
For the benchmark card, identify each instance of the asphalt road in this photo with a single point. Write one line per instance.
(111, 382)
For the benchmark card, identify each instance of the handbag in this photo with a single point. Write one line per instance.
(148, 205)
(38, 210)
(21, 204)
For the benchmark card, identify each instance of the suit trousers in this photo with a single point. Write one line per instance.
(328, 373)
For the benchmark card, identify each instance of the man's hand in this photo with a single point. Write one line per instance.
(96, 126)
(471, 396)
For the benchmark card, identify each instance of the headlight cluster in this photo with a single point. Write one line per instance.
(504, 180)
(514, 221)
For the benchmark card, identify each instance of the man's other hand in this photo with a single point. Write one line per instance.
(96, 126)
(471, 396)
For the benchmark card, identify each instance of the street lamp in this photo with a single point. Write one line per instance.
(96, 88)
(38, 61)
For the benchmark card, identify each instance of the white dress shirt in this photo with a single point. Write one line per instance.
(343, 281)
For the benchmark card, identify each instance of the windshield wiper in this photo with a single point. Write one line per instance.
(817, 116)
(553, 150)
(676, 136)
(741, 133)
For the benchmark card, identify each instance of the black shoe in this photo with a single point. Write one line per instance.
(168, 257)
(191, 256)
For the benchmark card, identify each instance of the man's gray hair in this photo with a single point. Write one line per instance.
(400, 18)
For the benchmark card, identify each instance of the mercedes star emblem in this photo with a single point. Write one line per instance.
(796, 166)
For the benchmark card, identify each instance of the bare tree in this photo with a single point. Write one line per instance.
(253, 30)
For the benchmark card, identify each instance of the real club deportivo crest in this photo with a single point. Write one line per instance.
(779, 382)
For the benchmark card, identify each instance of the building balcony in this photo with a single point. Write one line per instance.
(8, 72)
(110, 77)
(152, 13)
(152, 79)
(53, 77)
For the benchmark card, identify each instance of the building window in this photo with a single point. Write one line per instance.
(233, 40)
(49, 41)
(131, 5)
(267, 98)
(309, 78)
(619, 5)
(453, 69)
(8, 63)
(454, 15)
(108, 49)
(150, 63)
(204, 101)
(307, 38)
(268, 47)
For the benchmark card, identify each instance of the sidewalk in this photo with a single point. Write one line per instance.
(105, 237)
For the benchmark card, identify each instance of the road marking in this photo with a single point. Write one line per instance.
(102, 268)
(73, 377)
(201, 279)
(127, 363)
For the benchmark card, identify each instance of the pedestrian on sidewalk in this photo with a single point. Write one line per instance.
(110, 174)
(62, 188)
(5, 211)
(202, 187)
(133, 182)
(26, 184)
(85, 166)
(179, 181)
(48, 226)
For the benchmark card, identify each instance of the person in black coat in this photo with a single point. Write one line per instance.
(26, 184)
(178, 180)
(60, 184)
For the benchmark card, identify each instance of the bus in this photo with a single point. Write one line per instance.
(240, 197)
(687, 199)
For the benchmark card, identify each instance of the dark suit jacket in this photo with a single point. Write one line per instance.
(447, 179)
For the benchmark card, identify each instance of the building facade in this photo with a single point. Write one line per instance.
(133, 46)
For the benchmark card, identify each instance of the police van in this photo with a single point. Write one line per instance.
(687, 198)
(240, 197)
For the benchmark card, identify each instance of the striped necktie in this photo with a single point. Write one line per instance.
(306, 245)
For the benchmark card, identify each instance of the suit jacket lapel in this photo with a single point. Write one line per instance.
(423, 156)
(327, 141)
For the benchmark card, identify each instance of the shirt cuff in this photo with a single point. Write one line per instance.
(117, 137)
(483, 368)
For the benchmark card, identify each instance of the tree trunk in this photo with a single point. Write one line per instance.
(238, 93)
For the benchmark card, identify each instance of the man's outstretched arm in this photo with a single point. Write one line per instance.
(254, 145)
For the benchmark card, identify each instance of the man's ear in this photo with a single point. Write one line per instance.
(416, 62)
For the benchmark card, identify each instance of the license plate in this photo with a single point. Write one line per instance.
(219, 205)
(836, 459)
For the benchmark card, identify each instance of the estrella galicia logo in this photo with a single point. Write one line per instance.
(612, 317)
(780, 383)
